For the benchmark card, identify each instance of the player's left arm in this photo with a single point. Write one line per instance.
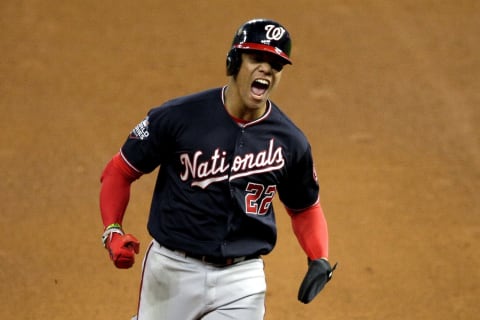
(301, 190)
(310, 228)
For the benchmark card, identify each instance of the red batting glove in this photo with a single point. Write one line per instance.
(122, 249)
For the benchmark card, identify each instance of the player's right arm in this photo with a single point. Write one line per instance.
(140, 154)
(116, 181)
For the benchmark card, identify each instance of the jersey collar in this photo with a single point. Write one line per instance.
(242, 122)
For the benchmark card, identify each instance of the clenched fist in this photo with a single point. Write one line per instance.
(122, 249)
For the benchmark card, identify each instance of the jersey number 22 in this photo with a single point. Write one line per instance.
(259, 198)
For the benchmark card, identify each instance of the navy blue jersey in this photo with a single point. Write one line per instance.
(217, 178)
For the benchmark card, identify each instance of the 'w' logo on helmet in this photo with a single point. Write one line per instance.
(274, 32)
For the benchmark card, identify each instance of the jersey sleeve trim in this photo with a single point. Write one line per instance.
(292, 211)
(129, 164)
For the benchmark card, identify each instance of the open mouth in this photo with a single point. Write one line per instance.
(260, 86)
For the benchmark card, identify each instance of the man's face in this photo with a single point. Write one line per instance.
(259, 74)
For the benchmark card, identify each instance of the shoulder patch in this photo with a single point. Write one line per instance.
(141, 132)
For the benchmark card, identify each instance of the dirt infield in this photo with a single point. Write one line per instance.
(388, 92)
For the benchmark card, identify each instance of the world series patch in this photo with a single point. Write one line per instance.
(140, 132)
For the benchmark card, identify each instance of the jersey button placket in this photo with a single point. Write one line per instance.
(241, 141)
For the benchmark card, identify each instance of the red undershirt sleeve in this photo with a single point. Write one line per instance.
(310, 228)
(116, 179)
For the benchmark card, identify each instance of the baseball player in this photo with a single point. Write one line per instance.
(224, 154)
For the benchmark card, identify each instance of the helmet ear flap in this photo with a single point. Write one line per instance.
(233, 62)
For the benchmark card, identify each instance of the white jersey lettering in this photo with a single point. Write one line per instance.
(215, 169)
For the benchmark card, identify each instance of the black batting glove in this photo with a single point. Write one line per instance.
(318, 274)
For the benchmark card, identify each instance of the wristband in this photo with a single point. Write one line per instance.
(109, 230)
